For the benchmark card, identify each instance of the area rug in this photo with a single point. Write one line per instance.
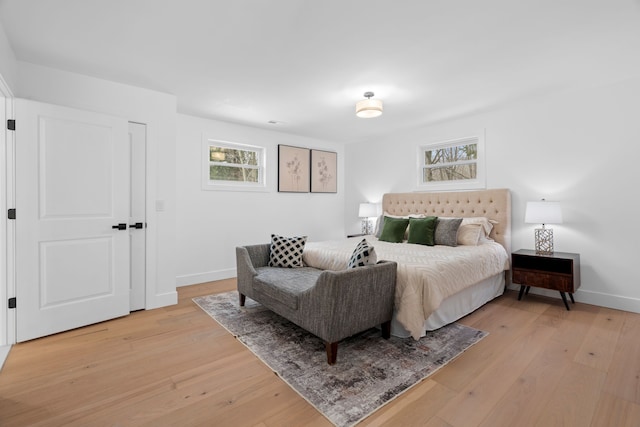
(370, 370)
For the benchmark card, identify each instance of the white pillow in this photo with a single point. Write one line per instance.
(486, 223)
(469, 234)
(378, 229)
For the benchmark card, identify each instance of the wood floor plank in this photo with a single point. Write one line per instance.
(504, 324)
(573, 401)
(614, 411)
(529, 394)
(599, 345)
(571, 326)
(436, 422)
(412, 409)
(623, 377)
(484, 391)
(177, 366)
(292, 415)
(214, 386)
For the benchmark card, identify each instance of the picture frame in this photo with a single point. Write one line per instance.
(324, 171)
(293, 169)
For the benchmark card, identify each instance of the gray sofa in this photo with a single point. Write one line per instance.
(332, 305)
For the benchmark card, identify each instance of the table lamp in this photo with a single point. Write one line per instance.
(367, 211)
(543, 212)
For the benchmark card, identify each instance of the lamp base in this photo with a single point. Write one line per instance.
(544, 241)
(367, 227)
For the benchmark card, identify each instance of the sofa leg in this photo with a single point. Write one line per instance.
(386, 330)
(332, 352)
(243, 298)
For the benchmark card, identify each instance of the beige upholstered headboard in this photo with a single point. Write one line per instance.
(494, 204)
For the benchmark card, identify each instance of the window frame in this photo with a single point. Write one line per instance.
(460, 184)
(208, 184)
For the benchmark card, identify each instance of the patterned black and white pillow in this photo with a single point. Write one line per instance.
(286, 251)
(364, 254)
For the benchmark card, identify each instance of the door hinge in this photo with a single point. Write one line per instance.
(11, 124)
(12, 302)
(11, 214)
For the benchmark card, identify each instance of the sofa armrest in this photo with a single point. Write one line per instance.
(349, 301)
(258, 254)
(248, 258)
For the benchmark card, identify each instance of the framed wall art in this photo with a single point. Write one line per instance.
(324, 169)
(293, 169)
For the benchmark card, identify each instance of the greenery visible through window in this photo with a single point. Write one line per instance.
(452, 164)
(235, 165)
(229, 164)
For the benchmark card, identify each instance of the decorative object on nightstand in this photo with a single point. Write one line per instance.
(368, 108)
(559, 271)
(543, 212)
(366, 212)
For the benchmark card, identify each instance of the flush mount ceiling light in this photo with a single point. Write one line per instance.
(368, 108)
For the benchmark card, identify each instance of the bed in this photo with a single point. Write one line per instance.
(436, 285)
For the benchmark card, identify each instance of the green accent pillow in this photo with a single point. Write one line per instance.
(393, 229)
(422, 230)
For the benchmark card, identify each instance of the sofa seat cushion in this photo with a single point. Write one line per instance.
(285, 284)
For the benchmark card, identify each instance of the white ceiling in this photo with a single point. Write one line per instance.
(305, 63)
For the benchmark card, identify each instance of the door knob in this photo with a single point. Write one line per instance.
(120, 226)
(137, 225)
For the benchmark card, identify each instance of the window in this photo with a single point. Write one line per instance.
(232, 166)
(455, 164)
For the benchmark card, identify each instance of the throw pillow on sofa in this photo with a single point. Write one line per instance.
(364, 254)
(286, 251)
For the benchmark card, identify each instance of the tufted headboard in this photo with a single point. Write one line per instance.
(494, 204)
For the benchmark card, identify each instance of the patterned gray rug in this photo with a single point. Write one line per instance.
(370, 371)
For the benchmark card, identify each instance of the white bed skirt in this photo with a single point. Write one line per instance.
(457, 306)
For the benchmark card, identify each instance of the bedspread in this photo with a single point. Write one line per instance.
(426, 274)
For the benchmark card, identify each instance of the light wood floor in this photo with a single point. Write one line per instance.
(540, 366)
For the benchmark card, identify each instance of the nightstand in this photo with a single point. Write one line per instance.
(559, 271)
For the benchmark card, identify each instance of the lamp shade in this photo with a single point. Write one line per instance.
(368, 108)
(543, 213)
(368, 210)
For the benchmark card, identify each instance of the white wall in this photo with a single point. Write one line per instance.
(210, 224)
(158, 112)
(581, 148)
(7, 60)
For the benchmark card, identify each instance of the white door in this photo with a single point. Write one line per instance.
(72, 189)
(137, 215)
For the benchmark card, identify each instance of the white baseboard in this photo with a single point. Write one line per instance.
(210, 276)
(610, 301)
(600, 299)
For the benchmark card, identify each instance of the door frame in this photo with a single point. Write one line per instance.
(7, 227)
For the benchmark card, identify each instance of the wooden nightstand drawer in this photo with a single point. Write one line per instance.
(543, 280)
